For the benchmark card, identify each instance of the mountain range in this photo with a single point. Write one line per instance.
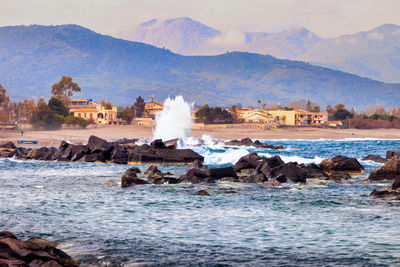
(34, 57)
(374, 53)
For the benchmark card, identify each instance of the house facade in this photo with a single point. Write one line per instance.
(152, 108)
(91, 110)
(254, 116)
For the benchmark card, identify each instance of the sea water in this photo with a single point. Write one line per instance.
(319, 223)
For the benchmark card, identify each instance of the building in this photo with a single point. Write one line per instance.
(285, 116)
(91, 110)
(152, 108)
(254, 116)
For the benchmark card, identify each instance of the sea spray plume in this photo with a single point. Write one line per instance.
(174, 121)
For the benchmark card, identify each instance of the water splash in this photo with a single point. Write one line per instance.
(174, 121)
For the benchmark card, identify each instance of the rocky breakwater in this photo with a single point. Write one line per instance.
(33, 252)
(251, 168)
(100, 150)
(249, 142)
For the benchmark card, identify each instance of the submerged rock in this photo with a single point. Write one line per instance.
(389, 171)
(248, 142)
(129, 178)
(219, 173)
(385, 194)
(341, 164)
(202, 193)
(375, 158)
(339, 176)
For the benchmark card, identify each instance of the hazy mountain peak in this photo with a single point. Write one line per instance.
(387, 28)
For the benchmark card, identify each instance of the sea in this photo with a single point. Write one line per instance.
(319, 223)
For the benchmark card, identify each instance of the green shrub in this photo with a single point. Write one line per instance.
(72, 120)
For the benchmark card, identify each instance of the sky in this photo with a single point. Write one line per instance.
(326, 18)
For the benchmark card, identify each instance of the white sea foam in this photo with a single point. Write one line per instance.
(298, 159)
(228, 156)
(174, 121)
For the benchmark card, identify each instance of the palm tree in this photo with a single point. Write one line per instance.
(259, 103)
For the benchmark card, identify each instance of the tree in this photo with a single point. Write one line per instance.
(63, 90)
(138, 107)
(233, 109)
(259, 103)
(207, 114)
(308, 106)
(4, 99)
(342, 114)
(126, 114)
(316, 109)
(58, 107)
(43, 117)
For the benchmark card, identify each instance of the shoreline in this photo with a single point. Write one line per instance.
(54, 137)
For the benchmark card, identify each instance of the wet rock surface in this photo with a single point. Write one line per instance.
(33, 252)
(249, 142)
(341, 164)
(389, 171)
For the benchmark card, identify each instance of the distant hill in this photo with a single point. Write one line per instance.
(374, 54)
(32, 58)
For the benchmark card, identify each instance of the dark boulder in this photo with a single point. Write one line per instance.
(341, 164)
(125, 141)
(95, 142)
(172, 144)
(6, 234)
(196, 176)
(152, 170)
(313, 171)
(9, 144)
(281, 178)
(94, 157)
(202, 193)
(254, 178)
(246, 142)
(292, 172)
(389, 171)
(385, 194)
(246, 162)
(119, 156)
(375, 158)
(43, 153)
(133, 170)
(153, 179)
(392, 153)
(158, 144)
(129, 178)
(20, 153)
(218, 173)
(396, 184)
(6, 152)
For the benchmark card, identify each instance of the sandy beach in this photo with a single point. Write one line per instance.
(53, 138)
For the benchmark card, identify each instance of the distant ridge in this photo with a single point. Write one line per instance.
(34, 57)
(374, 53)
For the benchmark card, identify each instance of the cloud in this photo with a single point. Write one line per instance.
(231, 39)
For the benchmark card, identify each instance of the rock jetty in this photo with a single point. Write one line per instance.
(100, 150)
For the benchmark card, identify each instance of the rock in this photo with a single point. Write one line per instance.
(158, 143)
(6, 234)
(199, 167)
(95, 142)
(5, 152)
(19, 153)
(230, 192)
(33, 252)
(93, 157)
(389, 171)
(249, 142)
(110, 182)
(218, 173)
(196, 176)
(152, 170)
(162, 180)
(385, 194)
(144, 155)
(125, 141)
(249, 161)
(375, 158)
(292, 172)
(202, 193)
(9, 144)
(133, 170)
(172, 144)
(254, 178)
(396, 184)
(341, 164)
(313, 171)
(246, 142)
(392, 153)
(130, 179)
(119, 156)
(339, 176)
(281, 178)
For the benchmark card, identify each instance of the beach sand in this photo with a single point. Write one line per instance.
(53, 138)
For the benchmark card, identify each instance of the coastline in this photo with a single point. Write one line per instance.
(53, 138)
